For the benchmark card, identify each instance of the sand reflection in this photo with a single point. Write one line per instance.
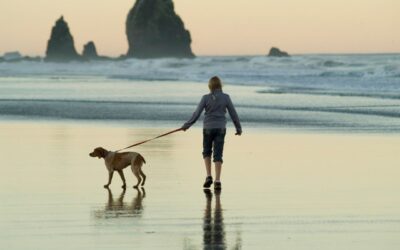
(116, 207)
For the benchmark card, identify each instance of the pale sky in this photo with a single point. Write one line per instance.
(218, 27)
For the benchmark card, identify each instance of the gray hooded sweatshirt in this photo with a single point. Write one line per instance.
(215, 104)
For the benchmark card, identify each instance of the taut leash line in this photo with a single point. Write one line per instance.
(136, 144)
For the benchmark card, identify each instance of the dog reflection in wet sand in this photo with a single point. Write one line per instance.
(118, 208)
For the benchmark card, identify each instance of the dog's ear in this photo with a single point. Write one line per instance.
(102, 152)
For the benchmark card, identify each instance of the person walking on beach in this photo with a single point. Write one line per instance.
(215, 104)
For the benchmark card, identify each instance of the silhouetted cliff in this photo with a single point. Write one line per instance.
(155, 30)
(60, 46)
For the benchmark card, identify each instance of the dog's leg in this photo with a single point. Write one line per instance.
(143, 176)
(121, 173)
(110, 200)
(136, 172)
(110, 176)
(121, 199)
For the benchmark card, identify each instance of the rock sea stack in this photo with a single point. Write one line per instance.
(154, 30)
(60, 46)
(90, 51)
(275, 52)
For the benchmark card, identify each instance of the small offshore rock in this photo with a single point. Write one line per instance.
(90, 51)
(276, 52)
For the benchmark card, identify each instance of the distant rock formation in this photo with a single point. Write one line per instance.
(89, 51)
(155, 30)
(15, 56)
(12, 56)
(275, 52)
(60, 46)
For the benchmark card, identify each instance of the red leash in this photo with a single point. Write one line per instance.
(136, 144)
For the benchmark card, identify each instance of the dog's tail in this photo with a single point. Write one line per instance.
(139, 160)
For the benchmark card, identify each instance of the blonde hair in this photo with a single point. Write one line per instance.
(214, 83)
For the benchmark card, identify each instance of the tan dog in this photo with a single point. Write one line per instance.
(119, 161)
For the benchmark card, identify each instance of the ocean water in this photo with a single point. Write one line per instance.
(358, 93)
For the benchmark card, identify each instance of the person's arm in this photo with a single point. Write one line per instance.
(234, 116)
(196, 114)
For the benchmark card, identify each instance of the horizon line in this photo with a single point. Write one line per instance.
(231, 55)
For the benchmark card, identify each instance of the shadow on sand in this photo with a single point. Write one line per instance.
(116, 207)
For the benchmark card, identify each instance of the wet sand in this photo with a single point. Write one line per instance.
(281, 190)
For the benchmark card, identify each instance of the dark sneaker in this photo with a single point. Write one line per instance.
(208, 182)
(217, 185)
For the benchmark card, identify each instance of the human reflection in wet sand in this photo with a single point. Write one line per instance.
(213, 225)
(118, 208)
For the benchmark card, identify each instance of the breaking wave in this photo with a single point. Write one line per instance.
(236, 70)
